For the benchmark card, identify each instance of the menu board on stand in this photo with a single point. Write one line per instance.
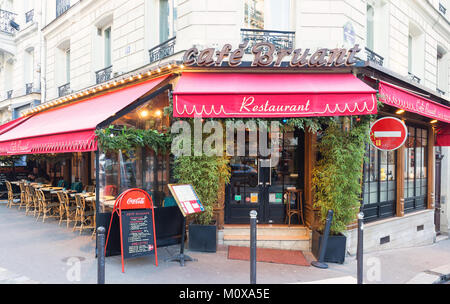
(137, 225)
(189, 204)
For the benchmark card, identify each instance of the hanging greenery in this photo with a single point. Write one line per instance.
(127, 139)
(338, 173)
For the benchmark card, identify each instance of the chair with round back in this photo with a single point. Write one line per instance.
(13, 199)
(70, 208)
(49, 208)
(23, 200)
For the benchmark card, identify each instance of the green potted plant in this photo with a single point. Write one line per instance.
(205, 174)
(337, 180)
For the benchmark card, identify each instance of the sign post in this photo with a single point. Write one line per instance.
(388, 134)
(189, 203)
(137, 225)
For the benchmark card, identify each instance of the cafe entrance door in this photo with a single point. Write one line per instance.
(258, 184)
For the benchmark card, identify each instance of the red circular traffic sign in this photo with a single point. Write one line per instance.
(388, 133)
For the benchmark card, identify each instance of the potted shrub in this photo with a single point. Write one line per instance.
(205, 174)
(337, 179)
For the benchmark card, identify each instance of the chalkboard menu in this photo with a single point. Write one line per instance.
(138, 234)
(135, 211)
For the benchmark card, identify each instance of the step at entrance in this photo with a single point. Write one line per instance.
(269, 236)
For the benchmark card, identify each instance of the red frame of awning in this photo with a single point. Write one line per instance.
(69, 128)
(271, 95)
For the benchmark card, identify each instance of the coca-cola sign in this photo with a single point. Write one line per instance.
(132, 200)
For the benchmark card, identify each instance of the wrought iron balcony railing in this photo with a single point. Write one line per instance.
(5, 21)
(440, 91)
(281, 39)
(442, 8)
(162, 50)
(28, 88)
(61, 7)
(64, 90)
(103, 75)
(374, 57)
(413, 77)
(9, 94)
(29, 16)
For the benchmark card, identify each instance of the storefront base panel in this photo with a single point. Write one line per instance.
(415, 229)
(295, 237)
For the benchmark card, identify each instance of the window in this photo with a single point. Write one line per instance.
(370, 27)
(416, 52)
(67, 66)
(442, 82)
(267, 14)
(61, 7)
(416, 160)
(107, 34)
(380, 185)
(167, 17)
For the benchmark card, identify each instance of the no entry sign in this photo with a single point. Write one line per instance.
(388, 133)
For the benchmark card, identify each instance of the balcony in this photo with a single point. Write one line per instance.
(374, 57)
(413, 77)
(5, 22)
(162, 50)
(281, 39)
(28, 88)
(29, 16)
(441, 92)
(61, 7)
(442, 9)
(64, 90)
(103, 75)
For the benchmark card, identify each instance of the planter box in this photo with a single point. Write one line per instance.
(202, 238)
(336, 247)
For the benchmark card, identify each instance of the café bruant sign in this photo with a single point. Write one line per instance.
(265, 54)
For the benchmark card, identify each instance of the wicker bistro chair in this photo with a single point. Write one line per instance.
(29, 200)
(23, 197)
(62, 208)
(49, 209)
(36, 202)
(85, 216)
(13, 198)
(69, 208)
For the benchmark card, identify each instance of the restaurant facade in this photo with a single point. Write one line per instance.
(398, 187)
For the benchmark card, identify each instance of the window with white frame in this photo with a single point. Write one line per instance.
(62, 70)
(442, 81)
(416, 52)
(267, 14)
(167, 17)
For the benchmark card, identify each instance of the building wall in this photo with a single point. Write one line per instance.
(20, 64)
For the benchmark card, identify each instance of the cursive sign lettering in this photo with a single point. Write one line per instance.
(266, 55)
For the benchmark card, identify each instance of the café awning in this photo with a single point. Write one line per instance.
(402, 99)
(69, 128)
(443, 136)
(271, 95)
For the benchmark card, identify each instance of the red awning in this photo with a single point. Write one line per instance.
(70, 128)
(224, 95)
(443, 136)
(402, 99)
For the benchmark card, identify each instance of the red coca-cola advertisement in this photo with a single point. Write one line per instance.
(135, 211)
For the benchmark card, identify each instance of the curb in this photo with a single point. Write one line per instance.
(437, 275)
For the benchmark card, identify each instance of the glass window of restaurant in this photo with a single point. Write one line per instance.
(141, 168)
(379, 187)
(416, 159)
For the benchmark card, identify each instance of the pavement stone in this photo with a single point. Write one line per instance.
(46, 253)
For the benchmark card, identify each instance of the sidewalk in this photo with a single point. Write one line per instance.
(39, 252)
